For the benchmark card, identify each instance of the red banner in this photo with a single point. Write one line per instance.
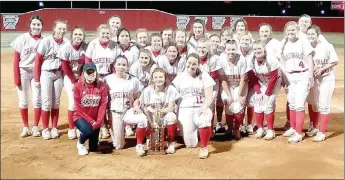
(152, 20)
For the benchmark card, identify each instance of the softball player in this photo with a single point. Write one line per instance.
(166, 35)
(128, 49)
(198, 31)
(160, 97)
(114, 23)
(267, 86)
(195, 88)
(233, 72)
(156, 46)
(324, 58)
(124, 91)
(304, 22)
(72, 59)
(171, 62)
(23, 68)
(48, 77)
(297, 65)
(225, 35)
(142, 38)
(240, 28)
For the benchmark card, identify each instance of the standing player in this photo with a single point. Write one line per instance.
(128, 49)
(72, 59)
(240, 28)
(267, 86)
(225, 35)
(114, 23)
(23, 67)
(142, 38)
(195, 88)
(48, 77)
(304, 22)
(160, 97)
(156, 46)
(234, 69)
(102, 51)
(124, 91)
(166, 35)
(297, 65)
(198, 31)
(324, 58)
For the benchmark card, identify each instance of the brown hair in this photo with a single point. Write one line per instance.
(36, 17)
(203, 27)
(96, 83)
(119, 31)
(103, 26)
(316, 28)
(140, 30)
(238, 21)
(194, 55)
(83, 43)
(262, 43)
(146, 51)
(266, 24)
(172, 43)
(166, 29)
(226, 29)
(57, 22)
(156, 35)
(167, 81)
(179, 30)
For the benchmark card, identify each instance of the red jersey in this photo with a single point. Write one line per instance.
(90, 102)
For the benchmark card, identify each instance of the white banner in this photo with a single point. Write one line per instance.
(218, 22)
(203, 18)
(233, 19)
(182, 22)
(10, 21)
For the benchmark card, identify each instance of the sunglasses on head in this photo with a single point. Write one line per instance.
(90, 71)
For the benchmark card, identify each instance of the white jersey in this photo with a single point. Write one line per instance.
(271, 46)
(233, 72)
(321, 37)
(171, 69)
(122, 91)
(26, 45)
(69, 53)
(159, 100)
(248, 56)
(192, 89)
(155, 57)
(103, 57)
(324, 53)
(49, 48)
(295, 53)
(262, 71)
(211, 65)
(192, 46)
(144, 75)
(132, 54)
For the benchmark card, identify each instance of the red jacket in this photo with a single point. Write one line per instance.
(90, 102)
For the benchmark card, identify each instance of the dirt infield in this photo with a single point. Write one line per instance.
(32, 158)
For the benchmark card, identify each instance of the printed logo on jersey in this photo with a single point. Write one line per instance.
(293, 55)
(218, 22)
(203, 18)
(182, 22)
(10, 21)
(192, 91)
(90, 100)
(116, 95)
(29, 50)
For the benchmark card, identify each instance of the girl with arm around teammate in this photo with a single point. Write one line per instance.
(195, 88)
(90, 98)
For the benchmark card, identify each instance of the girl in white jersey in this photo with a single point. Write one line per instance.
(225, 35)
(114, 23)
(160, 97)
(128, 49)
(48, 77)
(195, 88)
(155, 46)
(72, 56)
(297, 65)
(102, 51)
(166, 35)
(142, 38)
(234, 69)
(180, 38)
(124, 92)
(304, 22)
(241, 28)
(23, 68)
(324, 58)
(198, 31)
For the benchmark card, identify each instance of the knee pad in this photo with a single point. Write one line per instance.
(324, 109)
(204, 119)
(23, 105)
(170, 118)
(298, 108)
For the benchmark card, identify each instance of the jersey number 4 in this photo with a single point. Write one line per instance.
(301, 64)
(199, 100)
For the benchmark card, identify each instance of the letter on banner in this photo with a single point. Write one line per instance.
(218, 22)
(182, 22)
(10, 21)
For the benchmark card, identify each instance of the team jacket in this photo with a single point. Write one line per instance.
(90, 102)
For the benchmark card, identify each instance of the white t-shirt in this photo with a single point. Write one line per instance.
(68, 53)
(271, 46)
(144, 76)
(192, 89)
(324, 53)
(211, 65)
(159, 100)
(26, 45)
(132, 54)
(263, 70)
(121, 91)
(171, 69)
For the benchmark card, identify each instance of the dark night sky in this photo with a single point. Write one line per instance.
(263, 8)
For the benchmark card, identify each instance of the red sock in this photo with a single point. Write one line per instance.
(287, 112)
(25, 116)
(204, 136)
(316, 120)
(55, 117)
(141, 133)
(259, 119)
(238, 120)
(300, 115)
(45, 119)
(171, 132)
(70, 119)
(293, 118)
(270, 120)
(219, 110)
(312, 114)
(324, 122)
(37, 116)
(229, 121)
(250, 114)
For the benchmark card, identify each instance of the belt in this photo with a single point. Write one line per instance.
(53, 70)
(103, 75)
(294, 72)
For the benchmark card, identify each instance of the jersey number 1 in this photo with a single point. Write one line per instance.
(301, 64)
(199, 100)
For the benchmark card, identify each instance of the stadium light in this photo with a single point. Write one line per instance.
(41, 4)
(322, 12)
(283, 11)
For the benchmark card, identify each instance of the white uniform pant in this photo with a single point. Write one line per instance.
(321, 94)
(190, 125)
(118, 129)
(27, 81)
(51, 87)
(68, 86)
(298, 87)
(235, 107)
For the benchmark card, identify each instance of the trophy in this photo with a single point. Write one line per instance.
(156, 145)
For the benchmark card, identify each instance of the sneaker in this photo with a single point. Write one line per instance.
(312, 131)
(46, 134)
(78, 133)
(259, 133)
(203, 153)
(218, 126)
(289, 132)
(104, 133)
(25, 132)
(71, 134)
(129, 131)
(250, 129)
(140, 150)
(54, 133)
(243, 129)
(35, 131)
(287, 126)
(82, 150)
(295, 138)
(171, 149)
(320, 136)
(269, 135)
